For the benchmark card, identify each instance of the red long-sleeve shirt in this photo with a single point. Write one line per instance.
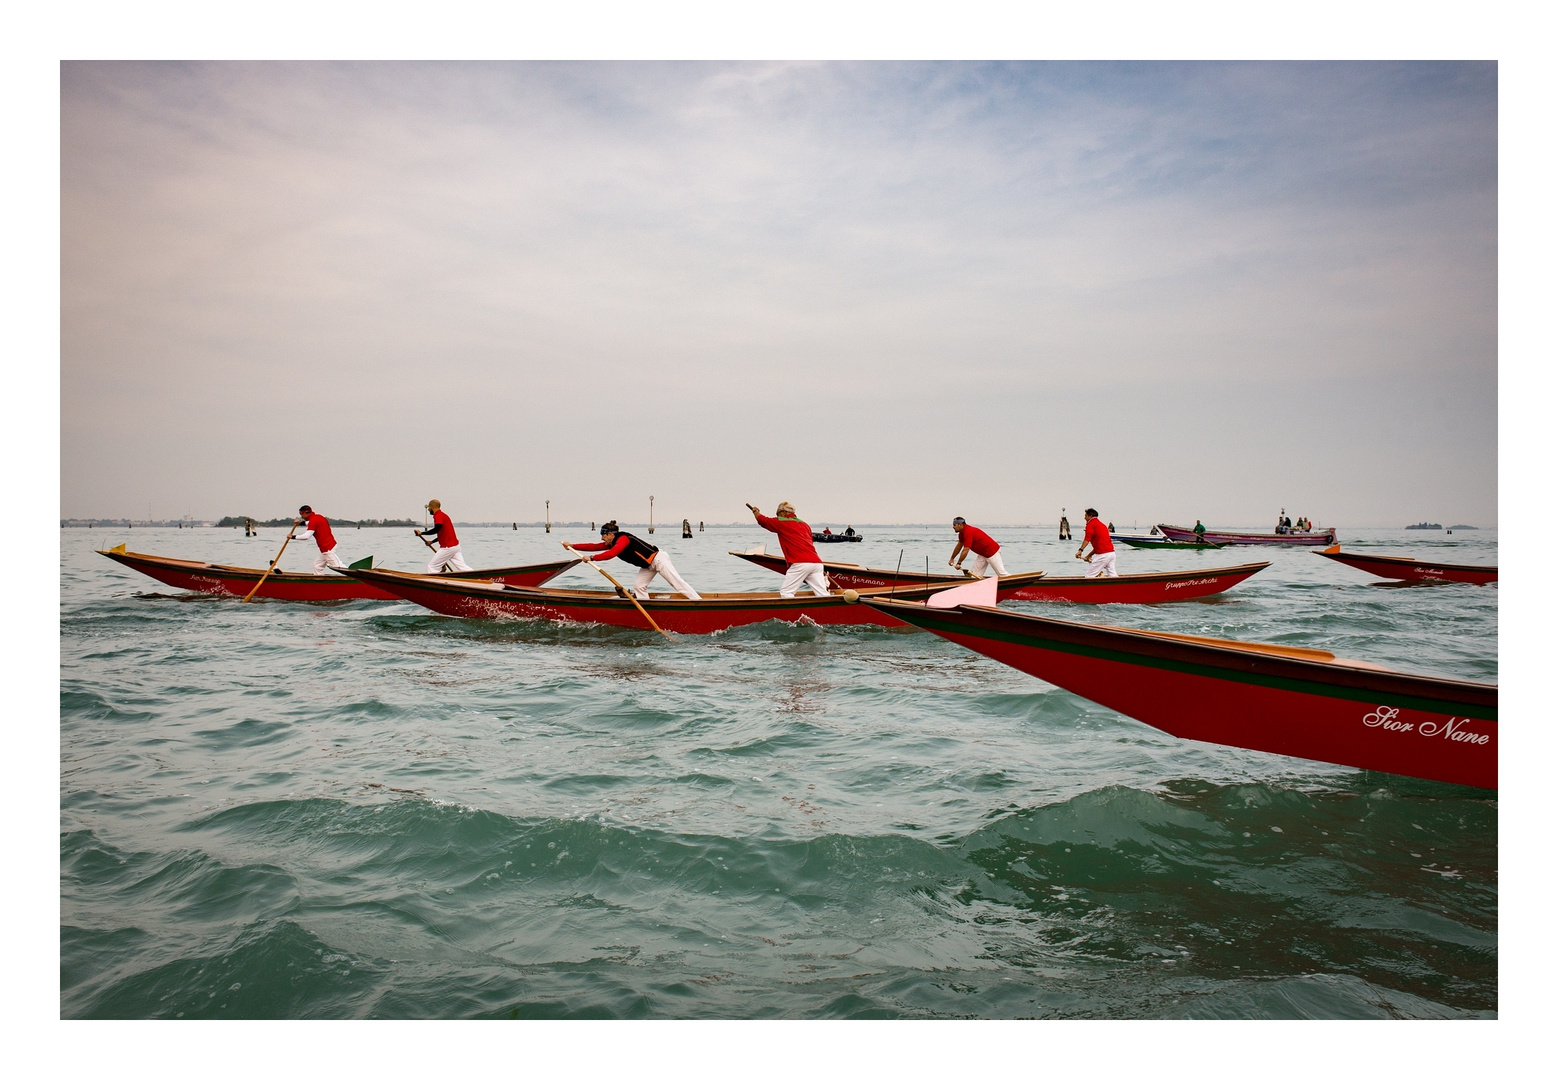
(794, 538)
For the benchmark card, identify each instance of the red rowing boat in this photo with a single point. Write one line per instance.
(238, 580)
(1307, 538)
(672, 612)
(1403, 569)
(1301, 702)
(1126, 589)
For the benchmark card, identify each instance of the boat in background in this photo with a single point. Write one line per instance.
(1164, 542)
(670, 611)
(1400, 568)
(1274, 698)
(1169, 585)
(1307, 538)
(222, 580)
(850, 537)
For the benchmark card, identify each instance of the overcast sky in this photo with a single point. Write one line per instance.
(885, 292)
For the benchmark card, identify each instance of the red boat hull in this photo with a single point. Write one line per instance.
(1125, 589)
(1137, 588)
(238, 580)
(1398, 568)
(681, 616)
(1312, 538)
(1281, 702)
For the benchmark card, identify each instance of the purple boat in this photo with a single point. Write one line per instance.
(1295, 538)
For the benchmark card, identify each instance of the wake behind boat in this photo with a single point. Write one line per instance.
(1300, 702)
(712, 613)
(216, 579)
(1294, 538)
(1399, 568)
(1155, 588)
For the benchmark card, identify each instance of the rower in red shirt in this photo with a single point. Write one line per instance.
(315, 526)
(795, 539)
(649, 559)
(1101, 561)
(986, 552)
(448, 553)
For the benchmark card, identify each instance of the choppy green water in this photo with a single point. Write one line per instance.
(363, 809)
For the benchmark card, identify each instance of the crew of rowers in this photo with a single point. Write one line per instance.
(795, 539)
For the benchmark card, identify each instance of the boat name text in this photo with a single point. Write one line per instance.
(1453, 729)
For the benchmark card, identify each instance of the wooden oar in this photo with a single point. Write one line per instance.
(624, 592)
(271, 567)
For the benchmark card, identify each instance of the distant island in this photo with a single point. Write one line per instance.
(1426, 525)
(1473, 528)
(338, 523)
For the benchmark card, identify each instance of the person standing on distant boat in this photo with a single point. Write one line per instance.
(448, 553)
(1101, 561)
(986, 552)
(1200, 530)
(649, 559)
(316, 527)
(795, 540)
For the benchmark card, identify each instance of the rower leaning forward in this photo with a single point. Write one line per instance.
(975, 542)
(650, 560)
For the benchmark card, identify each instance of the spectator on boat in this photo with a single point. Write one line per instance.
(826, 531)
(795, 540)
(1101, 561)
(650, 560)
(317, 528)
(986, 552)
(850, 531)
(448, 553)
(1111, 528)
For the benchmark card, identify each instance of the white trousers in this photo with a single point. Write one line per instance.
(981, 564)
(804, 573)
(449, 556)
(327, 559)
(661, 565)
(1101, 565)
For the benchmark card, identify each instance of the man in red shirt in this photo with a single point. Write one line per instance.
(1101, 561)
(649, 559)
(316, 527)
(795, 539)
(986, 552)
(448, 553)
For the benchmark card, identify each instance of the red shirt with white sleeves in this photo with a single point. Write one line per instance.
(317, 525)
